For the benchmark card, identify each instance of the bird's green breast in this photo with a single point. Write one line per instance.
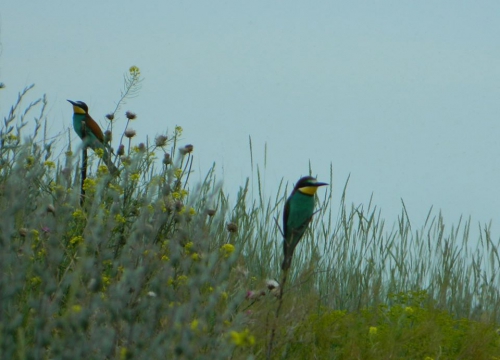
(77, 123)
(90, 139)
(301, 208)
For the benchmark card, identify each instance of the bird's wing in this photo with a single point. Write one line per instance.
(96, 130)
(286, 214)
(303, 226)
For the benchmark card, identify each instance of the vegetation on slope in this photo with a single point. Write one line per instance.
(152, 266)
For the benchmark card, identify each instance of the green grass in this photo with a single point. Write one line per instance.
(147, 269)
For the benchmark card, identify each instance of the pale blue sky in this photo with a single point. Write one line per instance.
(402, 95)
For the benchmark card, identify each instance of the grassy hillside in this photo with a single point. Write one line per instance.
(154, 266)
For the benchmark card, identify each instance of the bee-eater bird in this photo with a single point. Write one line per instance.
(92, 134)
(299, 210)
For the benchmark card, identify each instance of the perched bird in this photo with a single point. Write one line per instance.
(299, 210)
(92, 135)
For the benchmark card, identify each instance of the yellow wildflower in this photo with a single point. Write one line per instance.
(176, 195)
(194, 324)
(106, 280)
(119, 218)
(75, 240)
(78, 214)
(76, 308)
(99, 152)
(102, 169)
(134, 71)
(50, 164)
(182, 279)
(243, 338)
(372, 331)
(195, 257)
(89, 185)
(116, 188)
(123, 353)
(135, 177)
(178, 173)
(227, 250)
(36, 280)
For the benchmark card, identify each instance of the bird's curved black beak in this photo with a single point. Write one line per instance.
(320, 184)
(72, 102)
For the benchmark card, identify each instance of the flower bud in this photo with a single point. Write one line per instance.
(186, 149)
(167, 159)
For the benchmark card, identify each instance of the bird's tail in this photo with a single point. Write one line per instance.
(287, 255)
(287, 262)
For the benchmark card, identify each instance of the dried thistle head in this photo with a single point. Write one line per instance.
(141, 147)
(121, 150)
(107, 136)
(161, 140)
(272, 284)
(130, 115)
(211, 212)
(232, 227)
(130, 133)
(110, 116)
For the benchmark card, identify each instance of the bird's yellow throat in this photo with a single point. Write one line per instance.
(309, 190)
(78, 110)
